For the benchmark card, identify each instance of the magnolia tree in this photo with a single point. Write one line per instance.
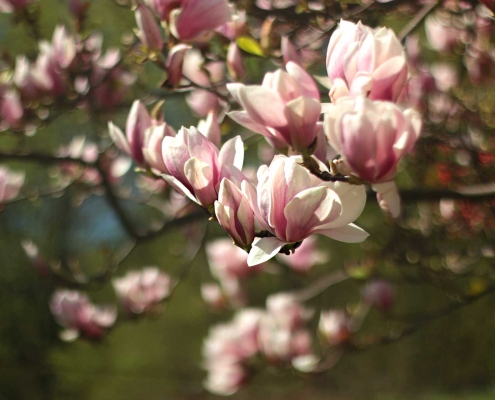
(336, 113)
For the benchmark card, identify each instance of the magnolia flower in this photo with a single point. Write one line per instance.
(236, 26)
(144, 136)
(235, 213)
(196, 167)
(235, 64)
(195, 18)
(227, 261)
(174, 64)
(334, 326)
(10, 184)
(227, 347)
(148, 30)
(371, 136)
(305, 257)
(361, 60)
(11, 109)
(78, 7)
(9, 6)
(295, 205)
(210, 127)
(282, 333)
(285, 108)
(74, 311)
(379, 294)
(139, 291)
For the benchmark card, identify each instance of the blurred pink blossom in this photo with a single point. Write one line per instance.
(10, 183)
(143, 139)
(148, 30)
(139, 291)
(74, 311)
(9, 6)
(305, 257)
(334, 326)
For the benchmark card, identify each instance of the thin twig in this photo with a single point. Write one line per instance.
(414, 23)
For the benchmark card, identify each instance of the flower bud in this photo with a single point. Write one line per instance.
(361, 60)
(234, 62)
(379, 294)
(148, 30)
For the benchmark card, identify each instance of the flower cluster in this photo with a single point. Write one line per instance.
(278, 333)
(138, 292)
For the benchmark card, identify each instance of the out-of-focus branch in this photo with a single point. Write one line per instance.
(419, 17)
(112, 198)
(321, 285)
(419, 321)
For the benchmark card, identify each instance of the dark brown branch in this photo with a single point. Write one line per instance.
(111, 197)
(420, 322)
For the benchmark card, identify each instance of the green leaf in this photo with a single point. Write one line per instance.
(249, 45)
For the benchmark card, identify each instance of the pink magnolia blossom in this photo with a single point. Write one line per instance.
(371, 136)
(443, 31)
(305, 257)
(195, 18)
(9, 6)
(139, 291)
(295, 205)
(289, 51)
(10, 184)
(237, 26)
(213, 296)
(78, 7)
(285, 108)
(210, 127)
(24, 80)
(148, 30)
(282, 333)
(202, 101)
(228, 261)
(143, 139)
(334, 326)
(11, 109)
(74, 311)
(196, 166)
(379, 294)
(235, 64)
(388, 197)
(235, 213)
(194, 67)
(361, 60)
(227, 348)
(34, 255)
(175, 61)
(162, 8)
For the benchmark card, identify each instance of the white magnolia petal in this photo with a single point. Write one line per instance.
(232, 153)
(118, 138)
(263, 249)
(349, 234)
(388, 197)
(177, 185)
